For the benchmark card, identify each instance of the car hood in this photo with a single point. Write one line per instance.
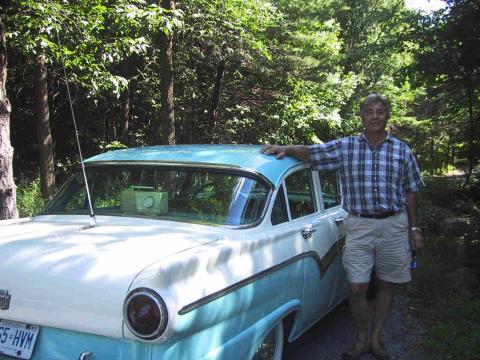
(60, 272)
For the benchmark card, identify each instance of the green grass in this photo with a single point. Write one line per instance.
(458, 334)
(445, 286)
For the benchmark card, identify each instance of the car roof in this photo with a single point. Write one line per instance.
(245, 157)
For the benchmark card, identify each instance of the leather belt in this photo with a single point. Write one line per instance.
(382, 215)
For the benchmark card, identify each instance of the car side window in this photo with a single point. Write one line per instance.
(279, 211)
(330, 191)
(301, 199)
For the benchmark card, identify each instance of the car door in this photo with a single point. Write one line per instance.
(318, 237)
(331, 202)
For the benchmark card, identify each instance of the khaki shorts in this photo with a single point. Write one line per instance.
(380, 242)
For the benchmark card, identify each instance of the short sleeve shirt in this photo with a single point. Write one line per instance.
(374, 180)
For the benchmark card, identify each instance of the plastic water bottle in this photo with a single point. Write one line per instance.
(413, 264)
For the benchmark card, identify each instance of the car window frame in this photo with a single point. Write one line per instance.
(315, 184)
(189, 167)
(280, 189)
(316, 181)
(339, 189)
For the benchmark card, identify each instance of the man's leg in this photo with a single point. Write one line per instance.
(358, 260)
(392, 263)
(359, 309)
(383, 304)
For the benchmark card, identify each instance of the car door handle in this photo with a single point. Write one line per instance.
(307, 233)
(338, 220)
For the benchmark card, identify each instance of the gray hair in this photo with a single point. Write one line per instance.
(375, 98)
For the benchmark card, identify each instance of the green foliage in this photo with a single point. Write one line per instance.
(308, 112)
(448, 63)
(233, 38)
(29, 198)
(459, 336)
(446, 293)
(113, 145)
(90, 37)
(291, 72)
(445, 286)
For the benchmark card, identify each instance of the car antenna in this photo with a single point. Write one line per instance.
(93, 221)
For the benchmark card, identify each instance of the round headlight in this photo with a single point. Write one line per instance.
(145, 313)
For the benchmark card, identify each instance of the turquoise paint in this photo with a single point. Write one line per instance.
(317, 293)
(57, 344)
(245, 344)
(229, 328)
(240, 156)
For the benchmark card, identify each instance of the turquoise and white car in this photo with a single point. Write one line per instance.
(195, 252)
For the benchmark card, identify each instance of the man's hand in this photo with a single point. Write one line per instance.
(300, 152)
(416, 239)
(279, 151)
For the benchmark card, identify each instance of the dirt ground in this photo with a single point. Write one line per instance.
(327, 339)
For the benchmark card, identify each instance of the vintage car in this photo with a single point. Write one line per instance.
(191, 252)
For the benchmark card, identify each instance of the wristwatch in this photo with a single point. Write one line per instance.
(415, 228)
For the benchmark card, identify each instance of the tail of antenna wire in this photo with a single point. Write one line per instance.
(93, 221)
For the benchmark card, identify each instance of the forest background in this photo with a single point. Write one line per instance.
(235, 71)
(254, 71)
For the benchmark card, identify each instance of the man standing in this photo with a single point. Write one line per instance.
(380, 178)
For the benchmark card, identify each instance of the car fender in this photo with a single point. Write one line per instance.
(244, 345)
(206, 274)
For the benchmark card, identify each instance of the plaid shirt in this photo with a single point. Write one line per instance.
(374, 180)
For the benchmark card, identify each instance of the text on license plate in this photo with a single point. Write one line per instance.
(17, 339)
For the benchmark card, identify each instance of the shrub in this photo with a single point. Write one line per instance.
(446, 286)
(29, 198)
(458, 336)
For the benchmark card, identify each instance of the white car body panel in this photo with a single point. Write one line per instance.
(51, 262)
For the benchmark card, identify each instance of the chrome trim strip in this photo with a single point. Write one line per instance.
(322, 263)
(331, 254)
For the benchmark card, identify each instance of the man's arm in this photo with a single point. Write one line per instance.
(416, 236)
(300, 152)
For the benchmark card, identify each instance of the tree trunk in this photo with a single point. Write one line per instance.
(166, 60)
(8, 206)
(124, 115)
(125, 100)
(213, 112)
(432, 155)
(44, 134)
(471, 140)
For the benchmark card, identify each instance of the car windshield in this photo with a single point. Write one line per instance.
(189, 195)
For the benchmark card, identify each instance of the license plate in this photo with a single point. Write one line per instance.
(17, 339)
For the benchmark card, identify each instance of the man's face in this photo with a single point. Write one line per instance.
(374, 117)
